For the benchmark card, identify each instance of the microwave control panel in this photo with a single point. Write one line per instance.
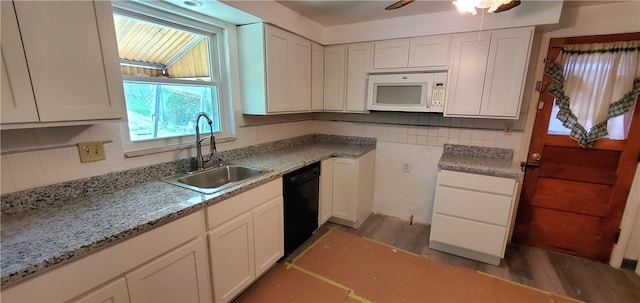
(437, 96)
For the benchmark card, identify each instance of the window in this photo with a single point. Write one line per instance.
(172, 69)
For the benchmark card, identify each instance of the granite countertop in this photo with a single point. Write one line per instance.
(480, 160)
(39, 239)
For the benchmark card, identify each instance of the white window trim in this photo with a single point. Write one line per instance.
(194, 22)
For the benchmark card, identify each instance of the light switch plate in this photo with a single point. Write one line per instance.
(91, 151)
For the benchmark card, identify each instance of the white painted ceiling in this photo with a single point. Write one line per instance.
(338, 12)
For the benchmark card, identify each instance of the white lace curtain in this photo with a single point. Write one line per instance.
(595, 86)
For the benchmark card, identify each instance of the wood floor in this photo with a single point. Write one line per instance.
(558, 273)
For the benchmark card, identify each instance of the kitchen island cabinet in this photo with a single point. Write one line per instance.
(475, 202)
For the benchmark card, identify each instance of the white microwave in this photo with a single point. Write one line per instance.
(409, 92)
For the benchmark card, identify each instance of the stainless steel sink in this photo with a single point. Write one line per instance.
(215, 179)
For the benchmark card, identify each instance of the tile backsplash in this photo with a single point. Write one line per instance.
(36, 165)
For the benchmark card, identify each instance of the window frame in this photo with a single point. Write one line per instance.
(217, 32)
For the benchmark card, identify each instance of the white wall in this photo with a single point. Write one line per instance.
(401, 194)
(33, 169)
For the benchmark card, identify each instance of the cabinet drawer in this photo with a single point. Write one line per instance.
(242, 203)
(480, 237)
(491, 184)
(478, 206)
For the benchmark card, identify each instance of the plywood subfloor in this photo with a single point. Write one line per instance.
(347, 266)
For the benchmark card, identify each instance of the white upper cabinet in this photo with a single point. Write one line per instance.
(345, 79)
(425, 53)
(391, 53)
(335, 82)
(487, 74)
(73, 66)
(432, 52)
(317, 77)
(358, 66)
(275, 70)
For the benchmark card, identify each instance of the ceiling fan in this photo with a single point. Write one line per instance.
(493, 6)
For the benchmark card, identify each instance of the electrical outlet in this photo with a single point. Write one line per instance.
(91, 151)
(406, 167)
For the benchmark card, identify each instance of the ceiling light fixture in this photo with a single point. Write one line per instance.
(469, 6)
(398, 4)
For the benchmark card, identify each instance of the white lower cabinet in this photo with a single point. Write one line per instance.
(166, 264)
(473, 215)
(325, 206)
(246, 238)
(232, 257)
(352, 189)
(114, 292)
(178, 276)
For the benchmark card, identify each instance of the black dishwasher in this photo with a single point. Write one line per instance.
(301, 190)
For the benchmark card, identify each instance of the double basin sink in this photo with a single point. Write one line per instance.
(215, 179)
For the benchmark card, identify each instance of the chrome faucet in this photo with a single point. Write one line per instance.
(212, 142)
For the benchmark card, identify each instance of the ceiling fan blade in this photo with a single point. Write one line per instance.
(400, 4)
(507, 6)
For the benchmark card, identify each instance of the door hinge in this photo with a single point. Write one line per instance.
(538, 85)
(616, 237)
(544, 60)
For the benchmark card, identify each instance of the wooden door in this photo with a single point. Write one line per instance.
(573, 202)
(300, 73)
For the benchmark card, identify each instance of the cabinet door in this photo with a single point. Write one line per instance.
(114, 292)
(430, 52)
(76, 39)
(391, 54)
(344, 189)
(277, 57)
(506, 72)
(466, 75)
(334, 77)
(18, 104)
(178, 276)
(358, 65)
(268, 231)
(232, 257)
(317, 77)
(300, 73)
(325, 207)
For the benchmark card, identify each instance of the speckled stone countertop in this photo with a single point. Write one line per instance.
(480, 160)
(37, 239)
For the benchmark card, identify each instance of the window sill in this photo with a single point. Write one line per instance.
(157, 150)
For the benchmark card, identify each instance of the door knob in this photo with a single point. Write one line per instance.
(536, 156)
